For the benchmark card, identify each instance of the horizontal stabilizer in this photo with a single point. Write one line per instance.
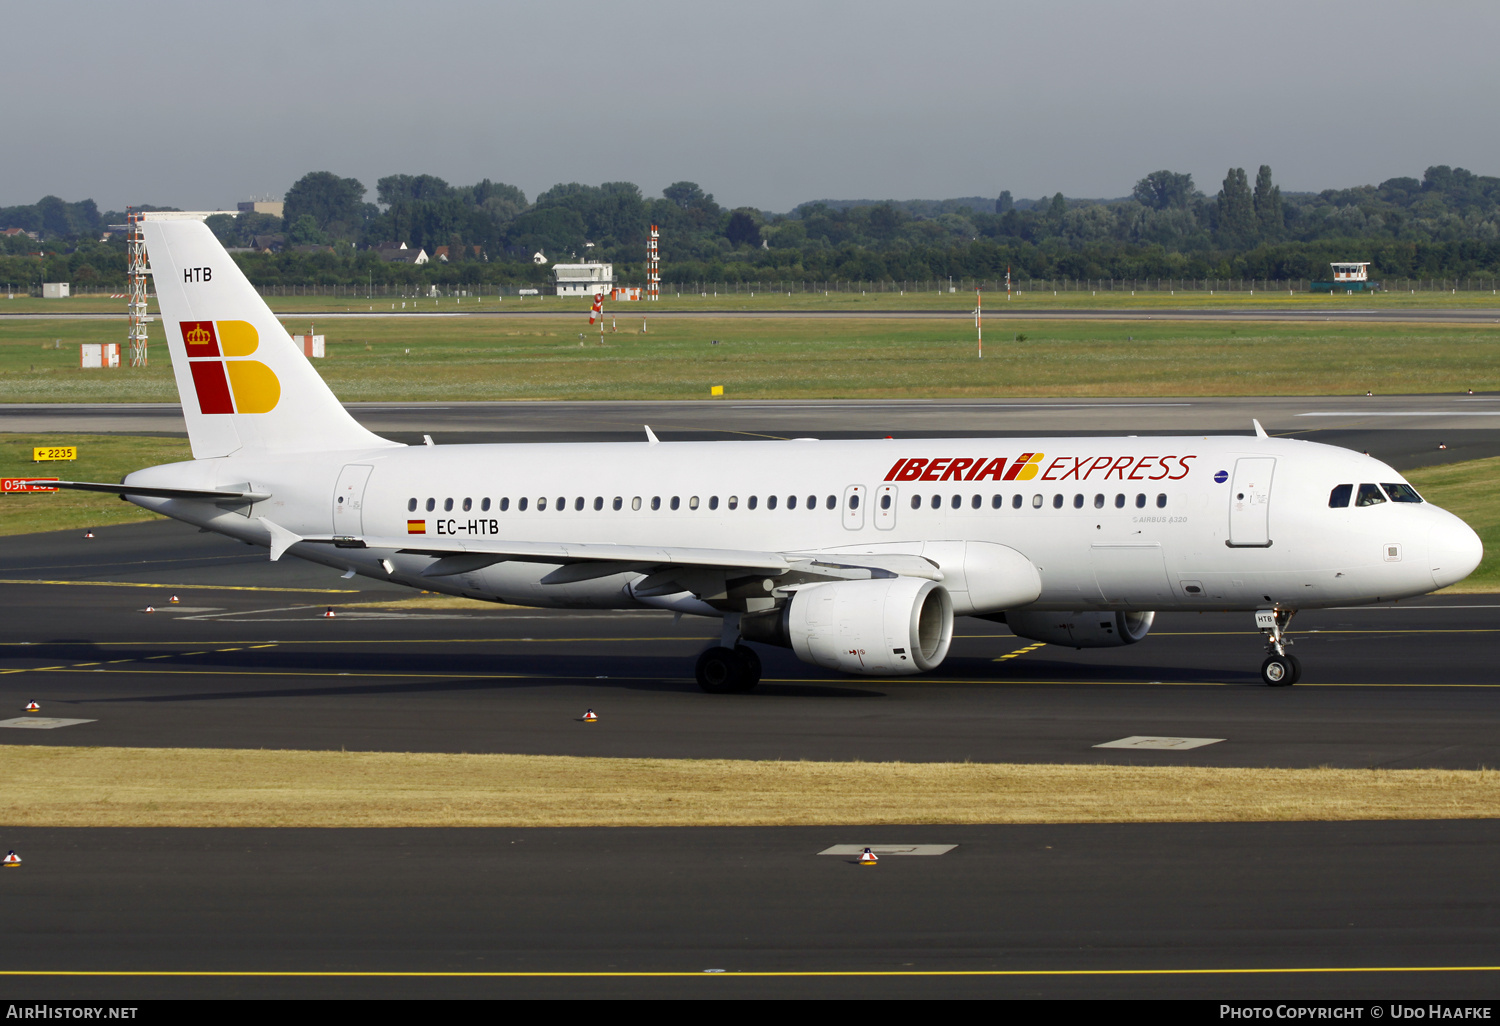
(205, 494)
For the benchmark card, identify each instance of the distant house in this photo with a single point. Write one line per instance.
(12, 232)
(393, 253)
(268, 243)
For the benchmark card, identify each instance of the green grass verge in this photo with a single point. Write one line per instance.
(1471, 490)
(772, 358)
(100, 458)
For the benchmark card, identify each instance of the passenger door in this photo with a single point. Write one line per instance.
(349, 499)
(1250, 502)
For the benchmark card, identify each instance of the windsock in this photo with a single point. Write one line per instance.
(598, 309)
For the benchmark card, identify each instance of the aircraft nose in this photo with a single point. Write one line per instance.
(1454, 550)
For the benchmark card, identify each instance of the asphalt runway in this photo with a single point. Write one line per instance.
(1206, 911)
(1412, 685)
(1406, 431)
(247, 660)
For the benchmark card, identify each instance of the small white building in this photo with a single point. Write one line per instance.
(1349, 271)
(55, 290)
(584, 279)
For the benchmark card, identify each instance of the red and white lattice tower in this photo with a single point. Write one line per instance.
(653, 266)
(135, 264)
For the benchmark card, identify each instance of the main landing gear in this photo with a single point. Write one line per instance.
(723, 671)
(729, 667)
(1279, 670)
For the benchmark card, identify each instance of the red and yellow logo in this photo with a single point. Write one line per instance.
(416, 527)
(224, 380)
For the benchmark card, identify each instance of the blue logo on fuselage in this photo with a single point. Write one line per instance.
(1221, 477)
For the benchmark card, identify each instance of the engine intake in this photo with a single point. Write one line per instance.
(1082, 629)
(879, 628)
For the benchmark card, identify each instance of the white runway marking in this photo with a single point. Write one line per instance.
(1176, 744)
(889, 849)
(40, 722)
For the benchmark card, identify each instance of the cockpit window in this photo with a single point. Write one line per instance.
(1401, 492)
(1369, 495)
(1339, 497)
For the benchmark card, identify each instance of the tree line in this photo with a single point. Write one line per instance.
(1445, 224)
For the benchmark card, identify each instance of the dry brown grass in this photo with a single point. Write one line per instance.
(67, 786)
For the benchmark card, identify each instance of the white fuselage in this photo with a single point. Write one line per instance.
(1142, 523)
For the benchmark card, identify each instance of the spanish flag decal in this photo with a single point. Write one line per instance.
(416, 527)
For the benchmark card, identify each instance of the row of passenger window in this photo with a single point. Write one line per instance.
(675, 502)
(772, 501)
(1058, 501)
(1371, 494)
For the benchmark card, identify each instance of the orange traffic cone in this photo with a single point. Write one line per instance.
(868, 858)
(328, 613)
(590, 717)
(12, 860)
(33, 707)
(149, 609)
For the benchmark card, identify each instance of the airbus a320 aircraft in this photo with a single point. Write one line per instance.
(855, 554)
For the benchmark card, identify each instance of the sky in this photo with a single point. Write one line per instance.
(200, 105)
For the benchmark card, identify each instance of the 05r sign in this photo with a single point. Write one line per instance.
(26, 484)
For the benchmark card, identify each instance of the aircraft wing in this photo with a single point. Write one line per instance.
(667, 568)
(456, 555)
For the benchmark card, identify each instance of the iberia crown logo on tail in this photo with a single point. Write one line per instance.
(224, 380)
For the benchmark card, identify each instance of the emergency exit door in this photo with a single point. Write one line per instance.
(1250, 502)
(349, 499)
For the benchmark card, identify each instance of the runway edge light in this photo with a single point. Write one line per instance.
(173, 600)
(149, 609)
(590, 717)
(328, 613)
(12, 860)
(33, 707)
(868, 858)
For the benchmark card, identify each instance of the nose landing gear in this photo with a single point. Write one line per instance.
(1279, 670)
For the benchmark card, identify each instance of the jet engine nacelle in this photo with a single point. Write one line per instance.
(1081, 630)
(880, 628)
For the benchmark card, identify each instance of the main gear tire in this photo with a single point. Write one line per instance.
(720, 671)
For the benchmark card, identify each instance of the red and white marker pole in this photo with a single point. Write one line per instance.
(979, 318)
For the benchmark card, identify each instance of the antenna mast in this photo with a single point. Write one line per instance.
(135, 263)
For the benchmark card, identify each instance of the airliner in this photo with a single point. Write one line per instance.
(856, 555)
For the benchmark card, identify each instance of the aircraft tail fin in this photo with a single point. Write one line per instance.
(245, 385)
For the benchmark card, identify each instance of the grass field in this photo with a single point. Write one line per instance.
(502, 359)
(100, 458)
(960, 301)
(1471, 490)
(140, 787)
